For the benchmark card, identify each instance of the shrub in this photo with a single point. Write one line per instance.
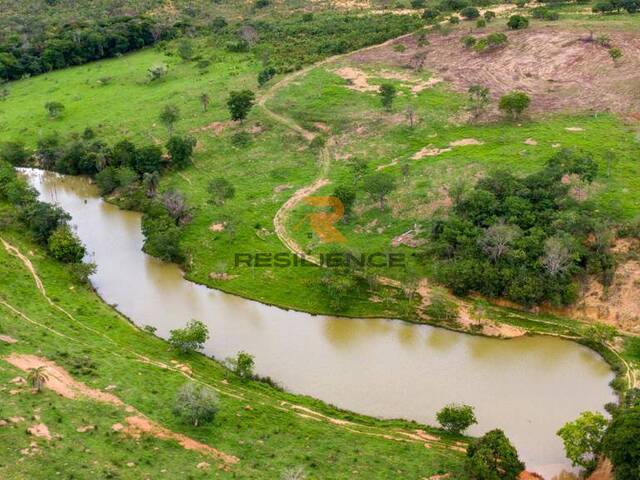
(456, 418)
(265, 75)
(469, 41)
(615, 54)
(262, 3)
(63, 245)
(156, 72)
(470, 13)
(387, 94)
(43, 219)
(196, 404)
(481, 23)
(416, 4)
(190, 338)
(489, 15)
(453, 5)
(430, 14)
(242, 365)
(241, 139)
(514, 103)
(517, 22)
(181, 150)
(54, 109)
(14, 153)
(220, 189)
(454, 20)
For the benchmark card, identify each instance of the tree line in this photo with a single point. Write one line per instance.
(79, 43)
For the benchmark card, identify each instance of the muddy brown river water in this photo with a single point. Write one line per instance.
(529, 386)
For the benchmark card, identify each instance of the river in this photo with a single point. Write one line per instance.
(528, 386)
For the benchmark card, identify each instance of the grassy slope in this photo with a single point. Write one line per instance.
(266, 437)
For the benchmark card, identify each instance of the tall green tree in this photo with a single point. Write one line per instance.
(239, 104)
(493, 457)
(621, 444)
(169, 115)
(387, 94)
(582, 439)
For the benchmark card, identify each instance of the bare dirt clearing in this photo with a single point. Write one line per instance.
(560, 69)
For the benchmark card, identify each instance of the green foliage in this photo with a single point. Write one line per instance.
(169, 115)
(514, 103)
(347, 196)
(181, 150)
(148, 159)
(340, 284)
(453, 5)
(220, 189)
(37, 377)
(491, 42)
(196, 404)
(517, 22)
(14, 152)
(239, 104)
(454, 20)
(615, 53)
(481, 23)
(493, 457)
(185, 50)
(621, 444)
(156, 72)
(601, 333)
(265, 75)
(241, 139)
(378, 185)
(190, 338)
(430, 14)
(456, 418)
(470, 13)
(543, 13)
(478, 99)
(387, 94)
(583, 438)
(242, 365)
(43, 219)
(496, 239)
(65, 246)
(489, 15)
(469, 41)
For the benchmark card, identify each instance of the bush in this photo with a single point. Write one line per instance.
(220, 189)
(265, 75)
(514, 103)
(481, 23)
(454, 20)
(453, 5)
(43, 219)
(469, 41)
(489, 15)
(517, 22)
(196, 404)
(456, 418)
(430, 14)
(14, 153)
(242, 365)
(241, 139)
(470, 13)
(181, 150)
(190, 338)
(66, 247)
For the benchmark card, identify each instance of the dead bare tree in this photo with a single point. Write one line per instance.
(497, 239)
(557, 256)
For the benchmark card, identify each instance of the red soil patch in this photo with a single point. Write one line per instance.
(137, 426)
(558, 68)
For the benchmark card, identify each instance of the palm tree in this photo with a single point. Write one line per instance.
(37, 377)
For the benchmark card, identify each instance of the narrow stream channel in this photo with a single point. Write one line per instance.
(529, 387)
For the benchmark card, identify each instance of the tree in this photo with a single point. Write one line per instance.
(430, 14)
(497, 239)
(204, 101)
(196, 404)
(14, 153)
(54, 109)
(470, 13)
(387, 94)
(190, 338)
(514, 103)
(557, 257)
(478, 99)
(169, 115)
(240, 103)
(181, 150)
(601, 333)
(177, 207)
(359, 168)
(517, 22)
(347, 196)
(378, 185)
(148, 159)
(493, 457)
(37, 377)
(156, 72)
(65, 246)
(621, 444)
(265, 75)
(583, 438)
(151, 181)
(185, 50)
(242, 365)
(456, 418)
(43, 219)
(221, 189)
